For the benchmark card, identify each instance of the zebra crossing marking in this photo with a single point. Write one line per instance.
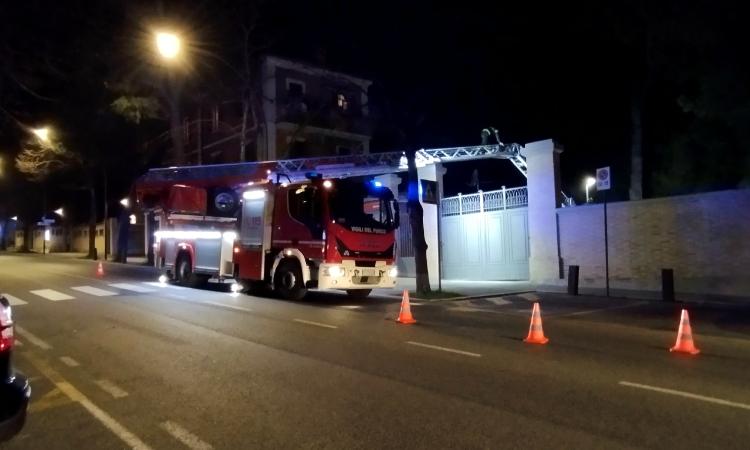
(131, 287)
(91, 290)
(14, 301)
(52, 295)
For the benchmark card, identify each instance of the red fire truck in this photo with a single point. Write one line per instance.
(261, 224)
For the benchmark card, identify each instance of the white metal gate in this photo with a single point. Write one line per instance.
(485, 236)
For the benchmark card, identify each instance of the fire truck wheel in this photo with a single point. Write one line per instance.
(183, 272)
(358, 294)
(288, 280)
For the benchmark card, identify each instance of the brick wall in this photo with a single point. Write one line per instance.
(705, 238)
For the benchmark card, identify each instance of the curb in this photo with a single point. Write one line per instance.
(739, 303)
(454, 299)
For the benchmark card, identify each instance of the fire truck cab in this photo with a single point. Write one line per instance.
(328, 234)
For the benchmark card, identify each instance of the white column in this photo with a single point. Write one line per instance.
(432, 172)
(543, 160)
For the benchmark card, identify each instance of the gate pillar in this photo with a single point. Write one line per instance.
(543, 160)
(431, 178)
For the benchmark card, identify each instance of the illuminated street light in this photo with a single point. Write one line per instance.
(14, 218)
(59, 212)
(42, 133)
(168, 45)
(590, 181)
(125, 202)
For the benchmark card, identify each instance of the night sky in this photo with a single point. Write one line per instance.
(533, 70)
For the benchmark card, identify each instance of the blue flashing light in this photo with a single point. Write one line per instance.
(377, 184)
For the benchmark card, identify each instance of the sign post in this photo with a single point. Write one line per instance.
(603, 182)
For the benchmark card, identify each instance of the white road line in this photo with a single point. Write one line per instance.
(99, 414)
(592, 311)
(351, 306)
(14, 301)
(91, 290)
(317, 324)
(238, 308)
(68, 361)
(445, 349)
(32, 338)
(111, 389)
(131, 287)
(177, 296)
(162, 285)
(181, 434)
(704, 398)
(51, 294)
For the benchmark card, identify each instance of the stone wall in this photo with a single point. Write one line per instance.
(704, 238)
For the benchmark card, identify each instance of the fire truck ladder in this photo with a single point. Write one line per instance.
(337, 166)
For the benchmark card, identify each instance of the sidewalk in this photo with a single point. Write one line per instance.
(462, 288)
(134, 260)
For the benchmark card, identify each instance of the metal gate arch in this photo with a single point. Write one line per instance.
(485, 236)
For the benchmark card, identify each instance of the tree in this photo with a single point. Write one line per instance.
(416, 222)
(39, 159)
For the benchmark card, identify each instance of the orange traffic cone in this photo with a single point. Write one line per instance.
(684, 342)
(536, 333)
(100, 270)
(404, 316)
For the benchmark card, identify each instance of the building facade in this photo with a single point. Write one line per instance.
(295, 110)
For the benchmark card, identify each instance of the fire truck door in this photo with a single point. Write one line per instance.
(252, 227)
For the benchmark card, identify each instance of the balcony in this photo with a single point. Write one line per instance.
(324, 115)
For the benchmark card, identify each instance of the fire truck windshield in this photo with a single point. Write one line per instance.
(358, 206)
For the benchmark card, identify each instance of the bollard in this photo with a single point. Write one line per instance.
(572, 280)
(667, 285)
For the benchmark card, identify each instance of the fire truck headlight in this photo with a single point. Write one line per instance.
(163, 279)
(393, 273)
(335, 271)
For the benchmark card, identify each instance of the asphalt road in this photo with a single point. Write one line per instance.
(129, 364)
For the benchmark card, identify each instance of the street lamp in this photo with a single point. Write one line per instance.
(125, 202)
(168, 44)
(590, 181)
(59, 212)
(42, 133)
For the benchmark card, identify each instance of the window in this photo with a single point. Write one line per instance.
(342, 102)
(304, 206)
(295, 88)
(215, 119)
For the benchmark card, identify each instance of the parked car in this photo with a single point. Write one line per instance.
(14, 388)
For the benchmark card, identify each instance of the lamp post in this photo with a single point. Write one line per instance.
(168, 49)
(43, 133)
(590, 181)
(168, 44)
(47, 234)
